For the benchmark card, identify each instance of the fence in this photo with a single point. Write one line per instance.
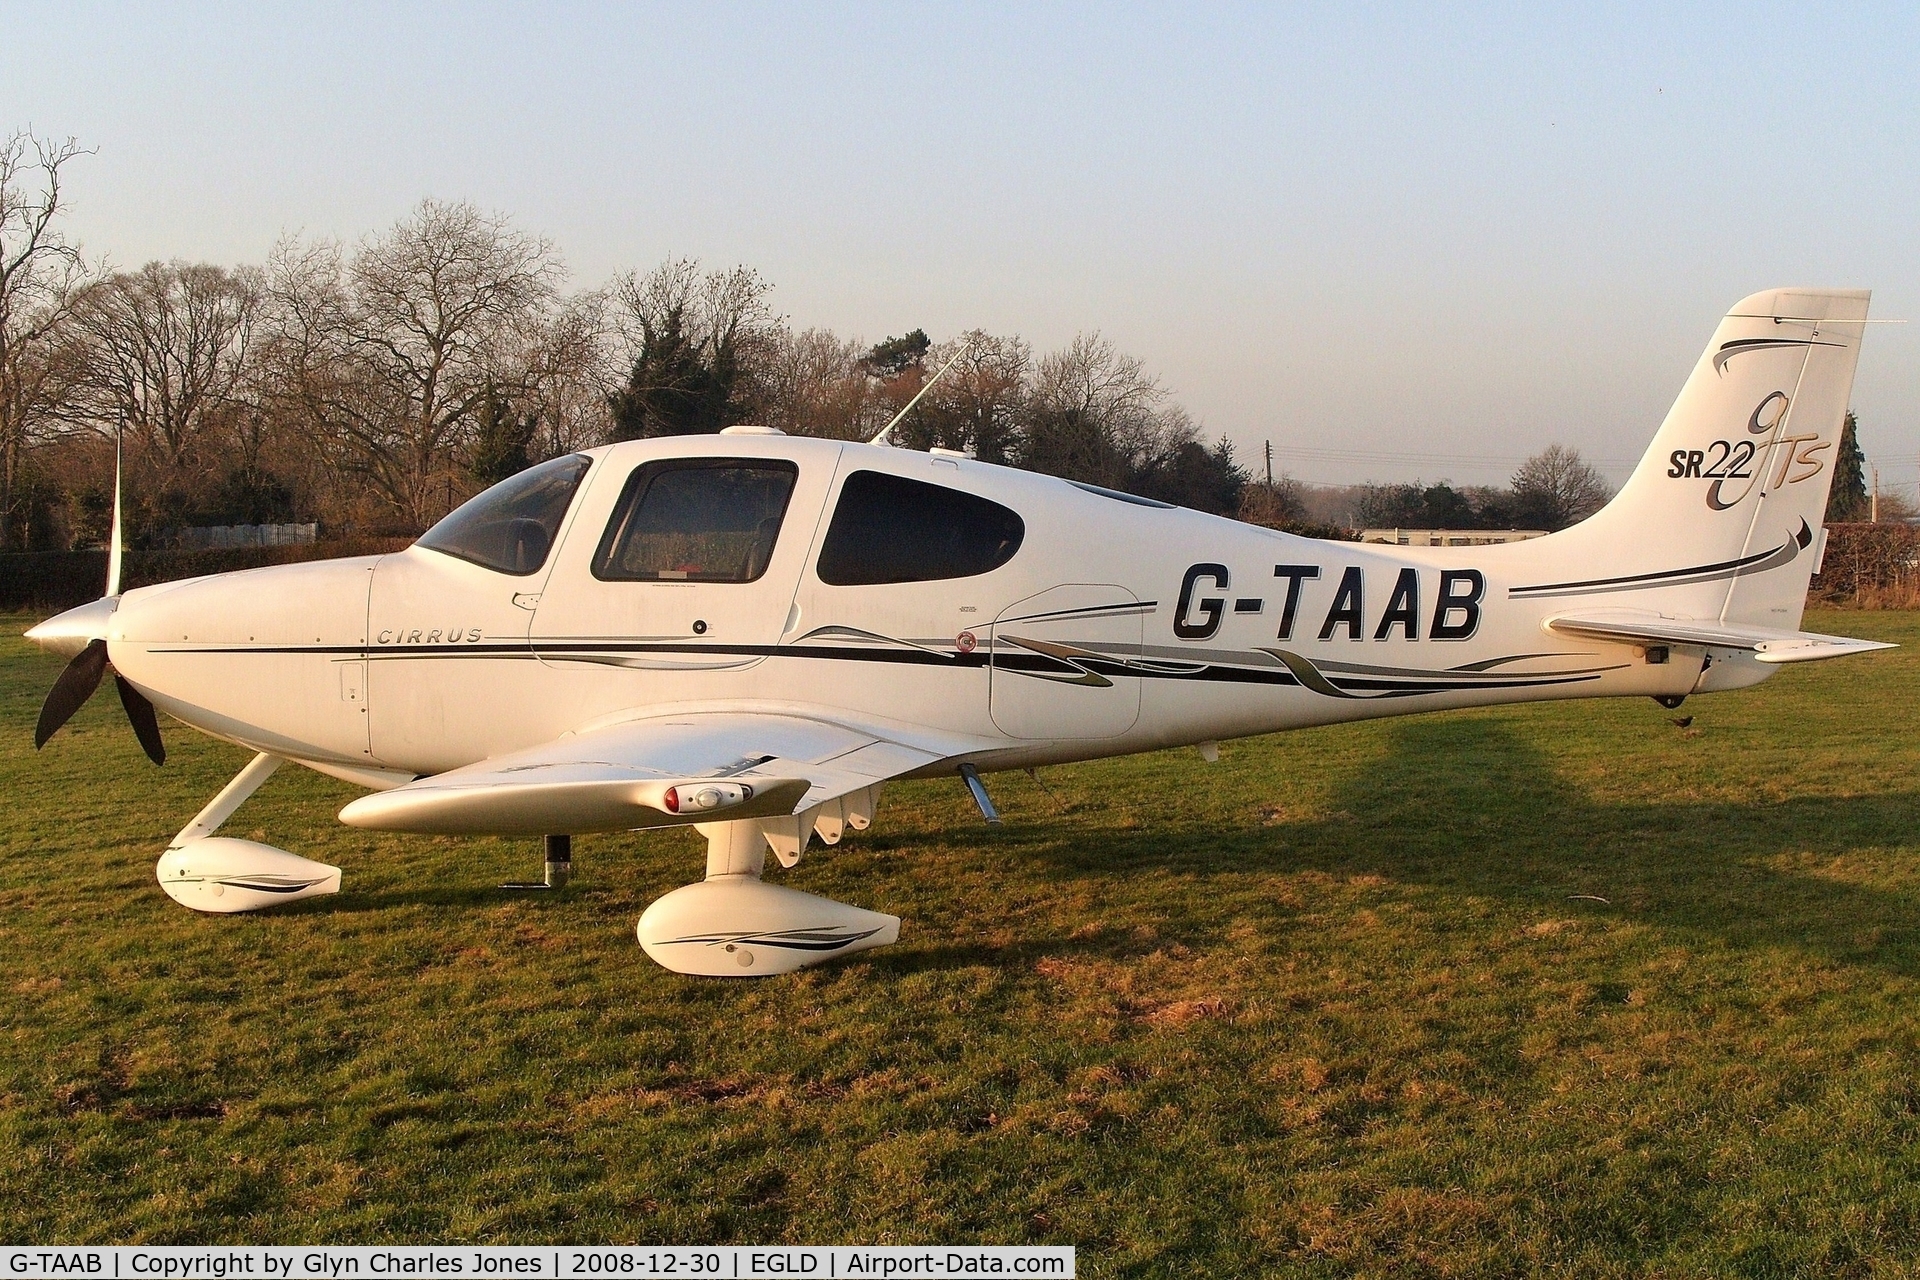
(223, 537)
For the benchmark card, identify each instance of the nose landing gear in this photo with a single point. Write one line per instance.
(220, 875)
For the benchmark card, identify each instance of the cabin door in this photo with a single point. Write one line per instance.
(691, 568)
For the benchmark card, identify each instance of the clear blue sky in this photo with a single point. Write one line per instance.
(1388, 230)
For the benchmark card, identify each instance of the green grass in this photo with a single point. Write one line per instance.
(1340, 1003)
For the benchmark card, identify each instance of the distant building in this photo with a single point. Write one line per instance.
(1449, 537)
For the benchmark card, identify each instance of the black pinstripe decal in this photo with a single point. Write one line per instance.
(1350, 678)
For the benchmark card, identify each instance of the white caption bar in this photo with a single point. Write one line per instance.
(577, 1262)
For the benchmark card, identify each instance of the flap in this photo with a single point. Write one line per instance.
(1767, 644)
(618, 778)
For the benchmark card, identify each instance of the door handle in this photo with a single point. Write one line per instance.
(526, 601)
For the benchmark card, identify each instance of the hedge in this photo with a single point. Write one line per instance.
(1871, 566)
(51, 580)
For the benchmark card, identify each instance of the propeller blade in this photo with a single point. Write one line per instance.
(146, 726)
(71, 691)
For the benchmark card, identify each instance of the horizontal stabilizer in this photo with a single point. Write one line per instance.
(1767, 644)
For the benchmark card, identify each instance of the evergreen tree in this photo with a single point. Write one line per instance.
(1196, 477)
(502, 439)
(680, 385)
(1445, 507)
(247, 495)
(889, 359)
(1847, 500)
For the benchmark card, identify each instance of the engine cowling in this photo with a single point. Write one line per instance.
(223, 875)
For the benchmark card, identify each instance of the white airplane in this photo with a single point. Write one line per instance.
(752, 633)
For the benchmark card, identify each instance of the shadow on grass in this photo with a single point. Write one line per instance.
(470, 897)
(1465, 807)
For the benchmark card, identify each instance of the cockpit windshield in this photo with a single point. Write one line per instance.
(511, 527)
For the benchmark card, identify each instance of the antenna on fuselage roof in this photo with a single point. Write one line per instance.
(881, 437)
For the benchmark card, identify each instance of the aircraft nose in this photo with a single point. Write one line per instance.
(68, 633)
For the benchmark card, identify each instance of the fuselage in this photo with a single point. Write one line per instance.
(1089, 624)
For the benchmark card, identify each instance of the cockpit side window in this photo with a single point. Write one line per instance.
(888, 528)
(696, 520)
(511, 527)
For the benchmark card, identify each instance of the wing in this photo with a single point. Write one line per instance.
(656, 772)
(1765, 643)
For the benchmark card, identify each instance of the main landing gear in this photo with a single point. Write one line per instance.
(733, 924)
(558, 873)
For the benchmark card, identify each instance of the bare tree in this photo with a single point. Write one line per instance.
(39, 274)
(309, 379)
(1096, 415)
(977, 405)
(379, 382)
(814, 383)
(717, 308)
(392, 350)
(1279, 505)
(1555, 488)
(166, 351)
(571, 365)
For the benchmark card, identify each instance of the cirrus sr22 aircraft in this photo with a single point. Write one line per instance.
(752, 633)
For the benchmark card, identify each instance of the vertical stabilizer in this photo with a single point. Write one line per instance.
(1721, 520)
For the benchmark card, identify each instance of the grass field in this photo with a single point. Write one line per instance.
(1553, 990)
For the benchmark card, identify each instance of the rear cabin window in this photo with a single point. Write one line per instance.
(888, 528)
(511, 527)
(696, 520)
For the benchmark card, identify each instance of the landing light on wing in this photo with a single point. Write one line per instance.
(697, 797)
